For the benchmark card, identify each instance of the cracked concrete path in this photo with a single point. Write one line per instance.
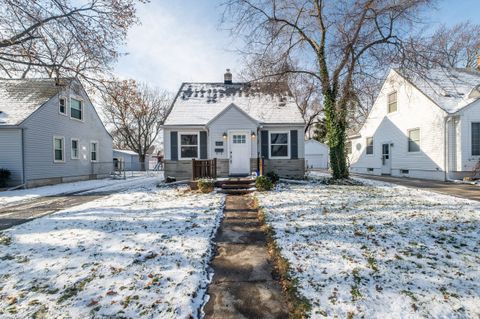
(243, 285)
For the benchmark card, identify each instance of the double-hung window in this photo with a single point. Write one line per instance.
(188, 145)
(392, 102)
(414, 140)
(76, 109)
(62, 106)
(279, 144)
(93, 151)
(475, 139)
(58, 149)
(369, 148)
(74, 150)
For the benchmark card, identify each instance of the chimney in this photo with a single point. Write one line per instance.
(228, 77)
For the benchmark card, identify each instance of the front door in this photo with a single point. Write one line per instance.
(239, 146)
(386, 159)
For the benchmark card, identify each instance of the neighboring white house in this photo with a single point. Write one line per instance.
(50, 132)
(422, 126)
(316, 154)
(237, 123)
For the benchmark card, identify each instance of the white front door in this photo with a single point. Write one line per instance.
(386, 159)
(239, 146)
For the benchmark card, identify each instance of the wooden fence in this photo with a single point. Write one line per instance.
(204, 168)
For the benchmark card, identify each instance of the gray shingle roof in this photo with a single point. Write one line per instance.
(449, 88)
(20, 98)
(198, 103)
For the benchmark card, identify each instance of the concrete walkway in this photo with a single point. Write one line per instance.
(243, 285)
(460, 190)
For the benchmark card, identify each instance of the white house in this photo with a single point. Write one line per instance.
(50, 133)
(316, 154)
(236, 123)
(422, 126)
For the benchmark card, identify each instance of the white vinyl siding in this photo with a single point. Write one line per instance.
(414, 140)
(76, 109)
(58, 149)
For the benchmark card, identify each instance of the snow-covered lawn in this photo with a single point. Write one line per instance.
(141, 253)
(379, 251)
(21, 195)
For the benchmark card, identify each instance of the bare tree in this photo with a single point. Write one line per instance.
(65, 38)
(308, 100)
(331, 41)
(136, 112)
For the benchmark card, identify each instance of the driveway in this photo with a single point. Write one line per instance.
(459, 190)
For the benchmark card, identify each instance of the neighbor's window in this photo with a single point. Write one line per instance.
(188, 145)
(348, 147)
(475, 139)
(93, 151)
(414, 140)
(278, 144)
(62, 107)
(76, 109)
(392, 102)
(369, 149)
(58, 149)
(74, 149)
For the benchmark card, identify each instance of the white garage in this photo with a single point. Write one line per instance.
(316, 154)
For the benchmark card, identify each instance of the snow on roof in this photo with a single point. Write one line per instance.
(449, 88)
(20, 98)
(198, 103)
(127, 152)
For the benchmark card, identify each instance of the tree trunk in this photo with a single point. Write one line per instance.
(141, 159)
(336, 137)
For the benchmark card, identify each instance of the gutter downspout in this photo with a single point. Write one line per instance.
(23, 157)
(446, 146)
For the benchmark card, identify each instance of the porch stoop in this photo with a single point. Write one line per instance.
(236, 186)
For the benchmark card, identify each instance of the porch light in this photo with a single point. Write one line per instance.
(225, 135)
(253, 135)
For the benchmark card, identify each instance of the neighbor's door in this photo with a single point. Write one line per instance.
(386, 159)
(239, 146)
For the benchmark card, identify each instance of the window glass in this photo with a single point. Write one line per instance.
(279, 144)
(58, 145)
(76, 109)
(239, 139)
(369, 149)
(93, 152)
(392, 102)
(414, 140)
(62, 107)
(74, 149)
(476, 139)
(348, 147)
(188, 145)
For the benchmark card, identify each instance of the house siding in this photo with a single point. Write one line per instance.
(466, 161)
(414, 110)
(11, 154)
(47, 122)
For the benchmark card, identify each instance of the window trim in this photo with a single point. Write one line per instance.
(96, 151)
(366, 146)
(66, 107)
(270, 144)
(179, 139)
(55, 137)
(78, 149)
(388, 102)
(419, 140)
(471, 138)
(82, 106)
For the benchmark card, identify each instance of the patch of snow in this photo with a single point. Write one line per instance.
(22, 195)
(379, 250)
(138, 254)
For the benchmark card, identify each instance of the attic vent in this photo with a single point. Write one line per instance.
(76, 88)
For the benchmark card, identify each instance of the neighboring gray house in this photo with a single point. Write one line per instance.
(50, 133)
(237, 123)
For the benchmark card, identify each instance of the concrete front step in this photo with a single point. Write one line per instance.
(235, 181)
(237, 186)
(237, 191)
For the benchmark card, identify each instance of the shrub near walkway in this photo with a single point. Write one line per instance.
(379, 251)
(138, 254)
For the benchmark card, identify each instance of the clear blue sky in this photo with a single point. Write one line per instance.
(180, 41)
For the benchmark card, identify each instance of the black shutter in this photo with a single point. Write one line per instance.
(264, 141)
(294, 144)
(174, 146)
(203, 145)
